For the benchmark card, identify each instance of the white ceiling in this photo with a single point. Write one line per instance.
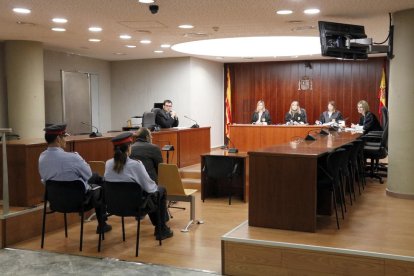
(211, 18)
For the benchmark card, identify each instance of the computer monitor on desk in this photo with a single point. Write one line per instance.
(158, 105)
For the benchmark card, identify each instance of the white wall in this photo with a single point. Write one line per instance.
(207, 98)
(56, 61)
(194, 86)
(3, 94)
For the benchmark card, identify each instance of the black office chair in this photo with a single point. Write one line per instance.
(156, 110)
(66, 197)
(148, 120)
(219, 167)
(329, 177)
(126, 199)
(375, 152)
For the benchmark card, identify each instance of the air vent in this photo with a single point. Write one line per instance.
(303, 28)
(26, 23)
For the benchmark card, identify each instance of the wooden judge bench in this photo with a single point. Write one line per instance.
(25, 188)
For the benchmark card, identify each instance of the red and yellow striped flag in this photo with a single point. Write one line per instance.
(381, 95)
(228, 104)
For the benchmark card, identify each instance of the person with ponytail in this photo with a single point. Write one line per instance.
(121, 168)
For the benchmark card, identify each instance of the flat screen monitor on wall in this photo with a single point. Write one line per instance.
(336, 37)
(158, 105)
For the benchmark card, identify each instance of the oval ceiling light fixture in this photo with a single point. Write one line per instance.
(186, 26)
(146, 1)
(60, 20)
(130, 46)
(95, 29)
(59, 29)
(125, 36)
(22, 10)
(267, 46)
(311, 11)
(158, 51)
(165, 45)
(145, 41)
(284, 12)
(94, 40)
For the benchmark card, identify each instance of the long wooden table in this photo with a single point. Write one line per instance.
(25, 188)
(283, 182)
(248, 137)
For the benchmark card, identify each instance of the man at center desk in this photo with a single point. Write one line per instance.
(167, 118)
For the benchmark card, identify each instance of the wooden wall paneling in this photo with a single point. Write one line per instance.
(345, 82)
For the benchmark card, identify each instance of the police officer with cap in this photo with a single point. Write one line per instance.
(121, 168)
(57, 164)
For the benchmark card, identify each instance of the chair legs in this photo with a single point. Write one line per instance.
(66, 224)
(43, 225)
(137, 242)
(81, 232)
(192, 216)
(335, 203)
(123, 228)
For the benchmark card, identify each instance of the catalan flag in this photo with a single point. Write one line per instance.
(228, 104)
(381, 95)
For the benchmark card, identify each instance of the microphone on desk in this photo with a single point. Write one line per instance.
(233, 149)
(324, 131)
(310, 137)
(93, 134)
(195, 125)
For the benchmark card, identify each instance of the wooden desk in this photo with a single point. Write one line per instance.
(240, 183)
(25, 188)
(283, 182)
(248, 137)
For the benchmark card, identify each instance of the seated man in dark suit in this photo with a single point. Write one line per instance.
(149, 154)
(57, 164)
(167, 118)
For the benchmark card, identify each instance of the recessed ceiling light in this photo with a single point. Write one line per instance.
(94, 40)
(125, 36)
(252, 46)
(22, 10)
(145, 41)
(158, 51)
(284, 12)
(146, 1)
(59, 20)
(59, 29)
(165, 45)
(311, 11)
(119, 54)
(130, 46)
(95, 29)
(186, 26)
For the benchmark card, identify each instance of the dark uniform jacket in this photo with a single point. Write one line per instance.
(264, 118)
(369, 122)
(150, 155)
(326, 119)
(296, 117)
(164, 119)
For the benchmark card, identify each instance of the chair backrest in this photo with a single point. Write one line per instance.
(334, 161)
(148, 120)
(384, 138)
(169, 177)
(156, 110)
(385, 117)
(97, 167)
(65, 196)
(123, 198)
(219, 166)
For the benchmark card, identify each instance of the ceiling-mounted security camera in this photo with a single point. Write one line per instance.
(154, 9)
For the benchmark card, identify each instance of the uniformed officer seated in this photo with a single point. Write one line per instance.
(121, 168)
(57, 164)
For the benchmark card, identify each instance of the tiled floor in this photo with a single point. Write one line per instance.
(26, 262)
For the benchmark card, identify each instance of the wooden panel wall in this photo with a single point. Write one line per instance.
(345, 82)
